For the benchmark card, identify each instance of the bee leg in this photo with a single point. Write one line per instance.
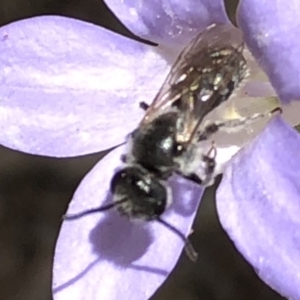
(209, 168)
(208, 131)
(210, 163)
(234, 124)
(144, 106)
(238, 124)
(192, 177)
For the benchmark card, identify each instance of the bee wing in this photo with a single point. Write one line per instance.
(203, 76)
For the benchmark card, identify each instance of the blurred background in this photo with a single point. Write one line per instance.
(35, 192)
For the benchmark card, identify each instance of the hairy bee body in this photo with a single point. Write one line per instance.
(170, 138)
(176, 134)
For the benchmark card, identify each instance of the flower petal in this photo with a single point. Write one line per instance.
(70, 88)
(168, 22)
(258, 203)
(106, 256)
(271, 29)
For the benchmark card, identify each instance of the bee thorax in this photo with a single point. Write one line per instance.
(153, 146)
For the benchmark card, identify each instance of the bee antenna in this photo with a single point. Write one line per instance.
(93, 210)
(188, 247)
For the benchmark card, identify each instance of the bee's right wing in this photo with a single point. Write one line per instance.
(204, 75)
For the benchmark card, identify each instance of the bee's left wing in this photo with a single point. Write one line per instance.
(204, 75)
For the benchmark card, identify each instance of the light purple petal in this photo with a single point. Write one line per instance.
(168, 22)
(271, 31)
(69, 87)
(108, 257)
(258, 203)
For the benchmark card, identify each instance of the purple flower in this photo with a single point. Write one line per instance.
(69, 88)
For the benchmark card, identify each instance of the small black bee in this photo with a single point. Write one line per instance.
(171, 137)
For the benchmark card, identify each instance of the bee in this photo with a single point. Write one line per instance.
(171, 138)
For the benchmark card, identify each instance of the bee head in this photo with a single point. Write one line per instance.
(143, 195)
(137, 194)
